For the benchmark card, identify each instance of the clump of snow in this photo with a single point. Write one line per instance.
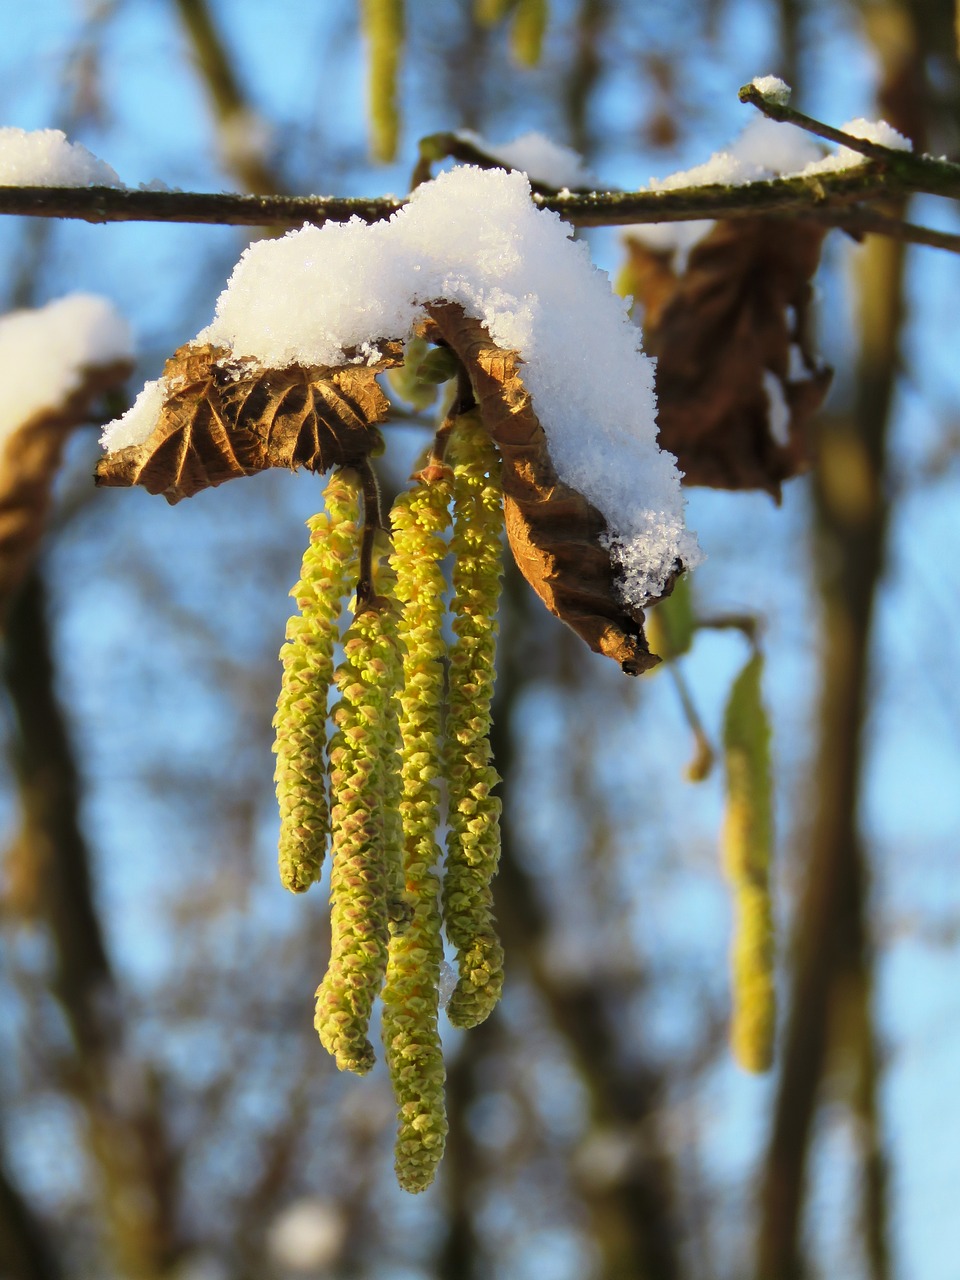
(846, 158)
(765, 149)
(139, 420)
(43, 353)
(773, 89)
(474, 237)
(539, 157)
(44, 158)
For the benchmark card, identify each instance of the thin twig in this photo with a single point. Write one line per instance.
(783, 113)
(747, 623)
(860, 221)
(911, 171)
(702, 762)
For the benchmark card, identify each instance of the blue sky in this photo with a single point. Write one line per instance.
(107, 583)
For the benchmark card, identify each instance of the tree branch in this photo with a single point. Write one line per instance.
(834, 198)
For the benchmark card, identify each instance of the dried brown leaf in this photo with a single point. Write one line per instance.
(225, 418)
(718, 331)
(29, 457)
(553, 531)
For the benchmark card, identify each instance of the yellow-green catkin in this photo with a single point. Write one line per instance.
(669, 625)
(399, 906)
(405, 380)
(327, 574)
(410, 996)
(473, 835)
(361, 878)
(747, 844)
(490, 12)
(529, 28)
(383, 27)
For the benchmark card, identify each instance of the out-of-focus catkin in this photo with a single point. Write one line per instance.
(410, 997)
(328, 573)
(529, 28)
(383, 27)
(473, 837)
(747, 845)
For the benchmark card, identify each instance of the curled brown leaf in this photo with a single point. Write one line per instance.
(554, 532)
(737, 380)
(223, 418)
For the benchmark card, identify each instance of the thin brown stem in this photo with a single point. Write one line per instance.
(783, 113)
(704, 756)
(911, 171)
(372, 525)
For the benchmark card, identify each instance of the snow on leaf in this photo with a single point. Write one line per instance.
(727, 331)
(222, 418)
(555, 534)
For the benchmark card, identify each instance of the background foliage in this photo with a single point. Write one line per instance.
(165, 1108)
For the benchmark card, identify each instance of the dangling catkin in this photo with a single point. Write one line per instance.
(529, 28)
(361, 876)
(383, 23)
(747, 843)
(328, 572)
(410, 997)
(473, 837)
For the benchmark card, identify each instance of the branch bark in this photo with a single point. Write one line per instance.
(837, 199)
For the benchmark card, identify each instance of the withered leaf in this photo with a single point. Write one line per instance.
(29, 457)
(728, 334)
(225, 418)
(553, 531)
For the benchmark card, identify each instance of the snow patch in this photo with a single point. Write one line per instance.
(778, 411)
(44, 158)
(43, 353)
(773, 89)
(764, 150)
(541, 159)
(846, 158)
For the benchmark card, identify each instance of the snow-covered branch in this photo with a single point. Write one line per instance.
(772, 170)
(830, 197)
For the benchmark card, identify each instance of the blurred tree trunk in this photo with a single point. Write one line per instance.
(25, 1253)
(126, 1139)
(830, 1014)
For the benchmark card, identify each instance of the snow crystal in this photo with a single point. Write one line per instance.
(474, 237)
(43, 353)
(541, 159)
(44, 158)
(773, 89)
